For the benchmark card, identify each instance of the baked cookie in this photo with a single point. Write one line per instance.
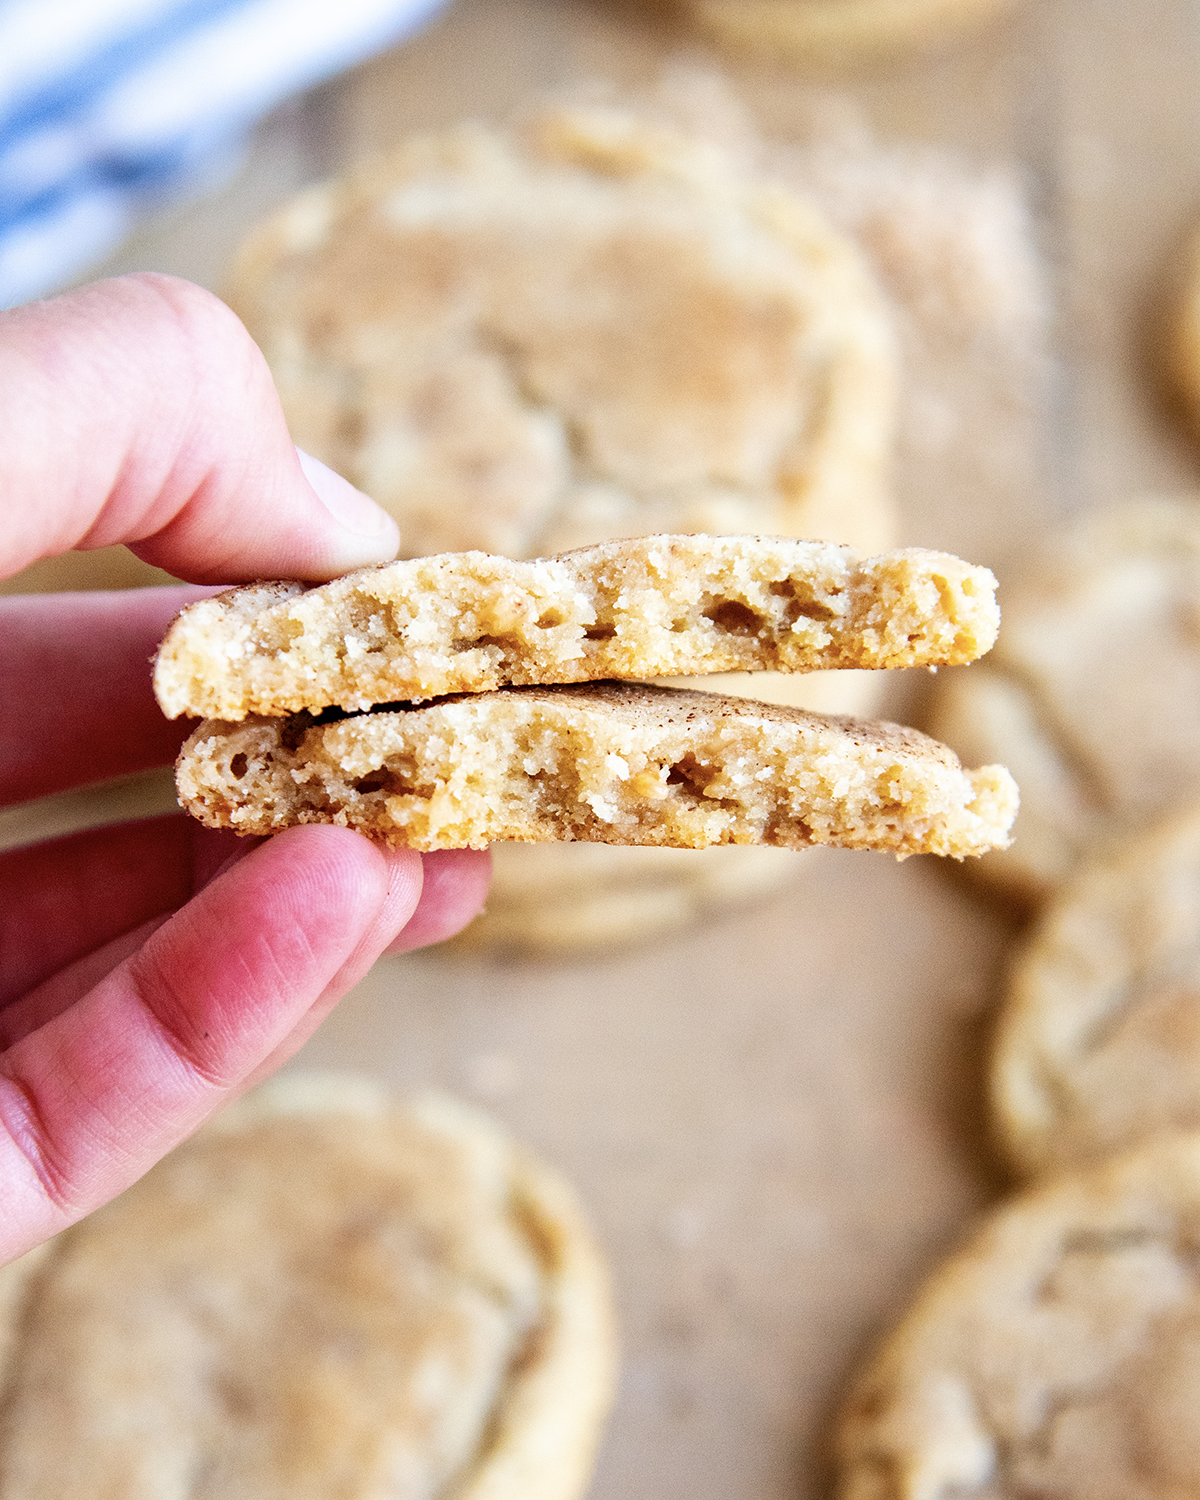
(1099, 1041)
(467, 622)
(602, 762)
(1056, 1354)
(836, 32)
(1092, 694)
(591, 895)
(583, 327)
(323, 1296)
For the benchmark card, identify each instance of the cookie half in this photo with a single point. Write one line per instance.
(322, 1296)
(1098, 1045)
(1092, 694)
(1055, 1355)
(658, 606)
(615, 763)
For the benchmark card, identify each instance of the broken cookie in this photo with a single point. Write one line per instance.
(469, 622)
(617, 763)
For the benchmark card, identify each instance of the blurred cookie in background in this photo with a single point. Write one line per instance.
(837, 33)
(321, 1295)
(585, 327)
(954, 244)
(588, 325)
(1181, 333)
(578, 896)
(1057, 1353)
(1098, 1045)
(104, 568)
(1091, 695)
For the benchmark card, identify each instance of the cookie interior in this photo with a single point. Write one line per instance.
(616, 763)
(655, 606)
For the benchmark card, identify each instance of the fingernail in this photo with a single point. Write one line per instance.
(375, 530)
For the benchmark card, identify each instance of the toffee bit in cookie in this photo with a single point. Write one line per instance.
(608, 762)
(647, 607)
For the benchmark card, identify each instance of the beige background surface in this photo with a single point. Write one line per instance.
(776, 1120)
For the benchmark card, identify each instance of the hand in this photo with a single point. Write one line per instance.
(152, 970)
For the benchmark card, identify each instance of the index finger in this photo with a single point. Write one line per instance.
(78, 705)
(139, 410)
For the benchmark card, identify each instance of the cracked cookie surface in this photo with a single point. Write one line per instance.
(321, 1295)
(651, 607)
(1098, 1044)
(1092, 694)
(614, 763)
(1056, 1354)
(1182, 352)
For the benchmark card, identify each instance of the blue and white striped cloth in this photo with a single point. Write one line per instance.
(106, 105)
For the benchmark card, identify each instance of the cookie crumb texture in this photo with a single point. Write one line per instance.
(656, 606)
(323, 1296)
(610, 763)
(1056, 1355)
